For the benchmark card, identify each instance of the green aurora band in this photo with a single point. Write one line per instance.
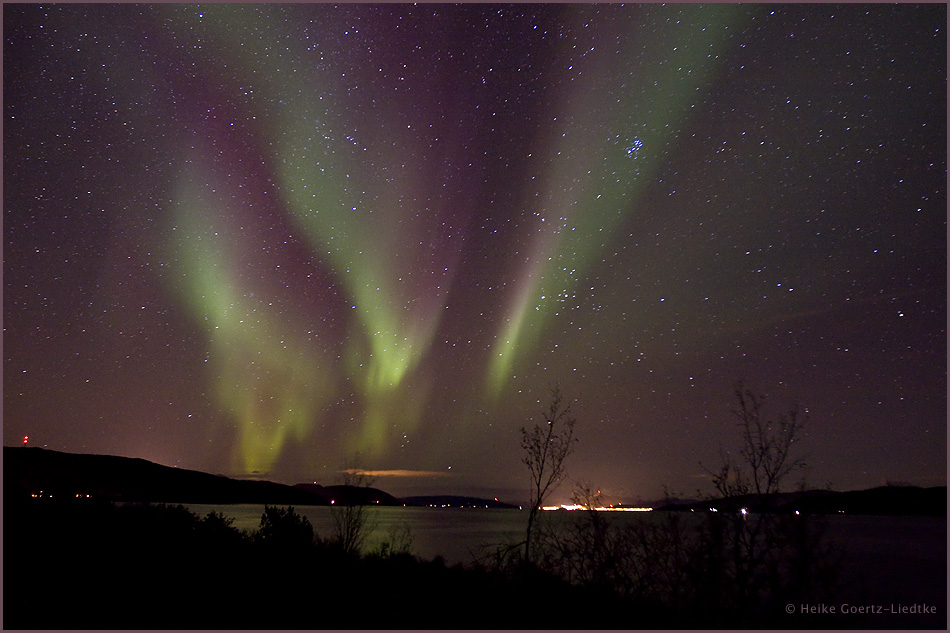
(608, 176)
(269, 380)
(397, 305)
(390, 253)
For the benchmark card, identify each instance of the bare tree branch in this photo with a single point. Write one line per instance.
(546, 447)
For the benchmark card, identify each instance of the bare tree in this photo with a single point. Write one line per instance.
(747, 551)
(580, 547)
(546, 447)
(765, 459)
(353, 520)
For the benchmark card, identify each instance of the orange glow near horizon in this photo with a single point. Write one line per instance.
(395, 473)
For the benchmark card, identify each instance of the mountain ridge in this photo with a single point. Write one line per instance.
(37, 472)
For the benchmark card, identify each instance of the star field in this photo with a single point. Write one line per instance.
(283, 240)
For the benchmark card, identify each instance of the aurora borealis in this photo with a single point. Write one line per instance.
(284, 240)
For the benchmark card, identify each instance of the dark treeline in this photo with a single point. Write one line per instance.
(100, 566)
(83, 564)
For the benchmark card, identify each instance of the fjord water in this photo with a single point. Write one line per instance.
(885, 559)
(456, 534)
(907, 552)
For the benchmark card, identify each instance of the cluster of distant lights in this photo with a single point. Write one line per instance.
(572, 507)
(49, 495)
(565, 506)
(449, 505)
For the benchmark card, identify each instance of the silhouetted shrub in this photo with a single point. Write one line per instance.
(283, 528)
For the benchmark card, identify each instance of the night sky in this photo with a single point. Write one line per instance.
(283, 240)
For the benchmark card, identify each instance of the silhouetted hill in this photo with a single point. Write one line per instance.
(454, 501)
(886, 500)
(350, 495)
(37, 471)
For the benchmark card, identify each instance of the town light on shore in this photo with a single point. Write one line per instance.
(599, 509)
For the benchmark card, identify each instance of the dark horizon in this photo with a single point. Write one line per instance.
(67, 476)
(298, 239)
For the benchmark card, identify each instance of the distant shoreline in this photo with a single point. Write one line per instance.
(37, 473)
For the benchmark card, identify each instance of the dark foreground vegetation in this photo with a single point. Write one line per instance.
(96, 565)
(75, 565)
(750, 557)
